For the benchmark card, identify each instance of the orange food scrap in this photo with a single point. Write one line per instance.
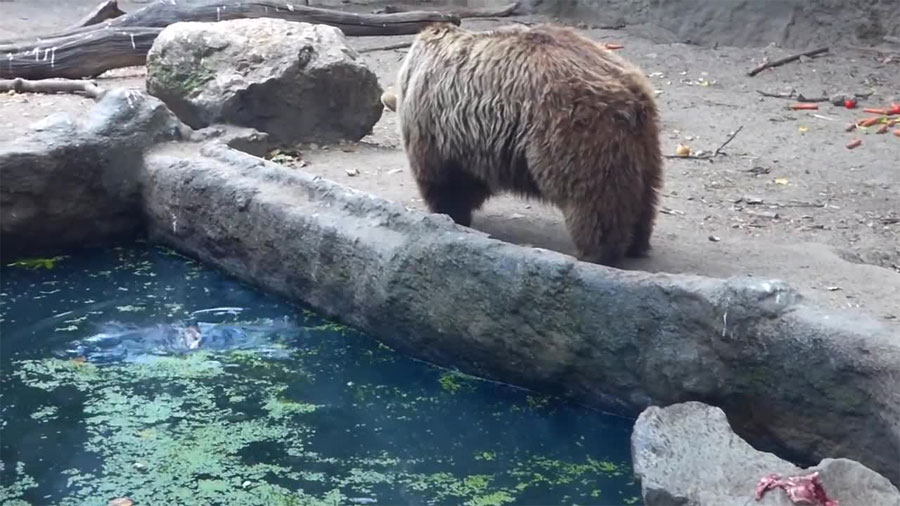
(867, 122)
(854, 143)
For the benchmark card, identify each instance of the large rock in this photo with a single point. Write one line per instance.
(75, 183)
(687, 455)
(295, 81)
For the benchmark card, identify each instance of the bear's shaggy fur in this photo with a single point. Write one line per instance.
(540, 112)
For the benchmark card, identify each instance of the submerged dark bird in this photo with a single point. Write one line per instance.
(127, 342)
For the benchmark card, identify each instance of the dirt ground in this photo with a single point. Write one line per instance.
(787, 201)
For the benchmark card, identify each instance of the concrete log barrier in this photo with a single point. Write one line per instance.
(793, 379)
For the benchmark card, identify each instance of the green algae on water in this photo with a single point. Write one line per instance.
(37, 263)
(338, 419)
(454, 381)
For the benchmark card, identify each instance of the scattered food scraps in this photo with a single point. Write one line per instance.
(806, 490)
(803, 129)
(850, 103)
(850, 127)
(883, 129)
(867, 122)
(612, 47)
(854, 143)
(893, 110)
(781, 180)
(897, 133)
(805, 106)
(682, 150)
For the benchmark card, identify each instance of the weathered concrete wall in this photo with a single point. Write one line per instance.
(791, 23)
(790, 378)
(807, 384)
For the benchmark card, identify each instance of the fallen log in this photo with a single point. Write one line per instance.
(88, 88)
(461, 12)
(125, 40)
(76, 56)
(107, 9)
(163, 13)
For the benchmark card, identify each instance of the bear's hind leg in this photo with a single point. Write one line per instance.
(597, 240)
(643, 226)
(455, 194)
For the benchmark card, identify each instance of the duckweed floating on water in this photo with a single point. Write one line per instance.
(37, 263)
(337, 419)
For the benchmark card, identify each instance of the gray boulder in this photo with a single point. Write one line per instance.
(298, 82)
(76, 183)
(686, 454)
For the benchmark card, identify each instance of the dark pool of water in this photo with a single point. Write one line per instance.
(334, 418)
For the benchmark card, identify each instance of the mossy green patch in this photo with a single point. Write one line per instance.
(330, 327)
(281, 408)
(538, 401)
(485, 456)
(454, 381)
(37, 263)
(175, 446)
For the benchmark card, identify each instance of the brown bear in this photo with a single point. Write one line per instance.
(540, 112)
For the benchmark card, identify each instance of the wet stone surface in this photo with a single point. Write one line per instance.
(105, 394)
